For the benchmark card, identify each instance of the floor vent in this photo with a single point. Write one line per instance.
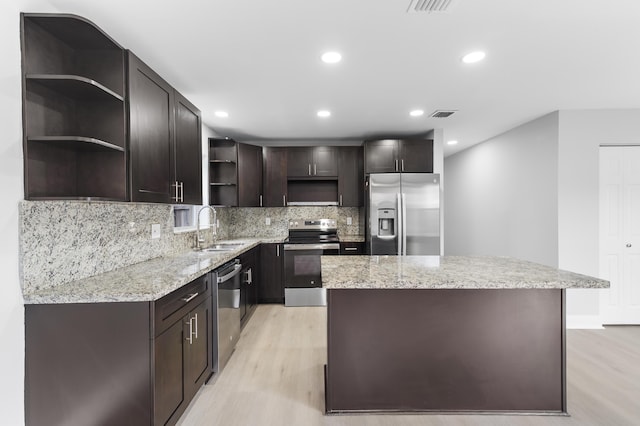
(429, 6)
(441, 113)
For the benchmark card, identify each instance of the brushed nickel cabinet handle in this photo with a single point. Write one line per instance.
(196, 321)
(190, 297)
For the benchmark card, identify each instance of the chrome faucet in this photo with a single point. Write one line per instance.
(199, 239)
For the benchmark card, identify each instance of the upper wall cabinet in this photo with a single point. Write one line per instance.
(274, 178)
(393, 156)
(187, 151)
(165, 140)
(74, 109)
(350, 176)
(312, 162)
(235, 173)
(249, 175)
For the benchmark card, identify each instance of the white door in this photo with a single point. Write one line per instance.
(620, 234)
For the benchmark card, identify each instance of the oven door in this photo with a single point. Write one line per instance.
(302, 264)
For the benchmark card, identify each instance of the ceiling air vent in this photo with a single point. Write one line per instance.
(441, 113)
(429, 6)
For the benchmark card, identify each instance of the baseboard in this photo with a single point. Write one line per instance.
(584, 321)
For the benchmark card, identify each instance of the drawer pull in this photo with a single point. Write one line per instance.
(351, 248)
(190, 297)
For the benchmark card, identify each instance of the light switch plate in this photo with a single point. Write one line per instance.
(267, 221)
(349, 220)
(155, 231)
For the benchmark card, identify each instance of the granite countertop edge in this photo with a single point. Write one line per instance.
(447, 272)
(146, 281)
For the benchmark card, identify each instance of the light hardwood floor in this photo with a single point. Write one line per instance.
(275, 377)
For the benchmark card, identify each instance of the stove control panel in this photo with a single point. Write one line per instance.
(312, 224)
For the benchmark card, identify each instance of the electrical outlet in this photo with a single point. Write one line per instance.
(155, 231)
(267, 221)
(349, 220)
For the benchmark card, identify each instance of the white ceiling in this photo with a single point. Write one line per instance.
(260, 61)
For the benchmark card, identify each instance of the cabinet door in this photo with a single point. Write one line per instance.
(299, 161)
(188, 151)
(197, 352)
(381, 156)
(325, 161)
(350, 176)
(416, 156)
(169, 378)
(274, 181)
(151, 133)
(271, 288)
(249, 175)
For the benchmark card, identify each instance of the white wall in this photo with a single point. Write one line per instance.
(11, 307)
(503, 192)
(580, 135)
(501, 196)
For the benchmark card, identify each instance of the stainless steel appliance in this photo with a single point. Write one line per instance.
(308, 240)
(403, 214)
(228, 312)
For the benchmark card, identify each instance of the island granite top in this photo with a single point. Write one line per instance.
(143, 282)
(446, 272)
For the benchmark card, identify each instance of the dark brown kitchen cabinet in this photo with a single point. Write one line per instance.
(74, 109)
(151, 132)
(249, 283)
(350, 176)
(381, 156)
(311, 162)
(144, 361)
(271, 289)
(416, 156)
(396, 155)
(249, 175)
(235, 173)
(165, 142)
(223, 172)
(274, 180)
(187, 151)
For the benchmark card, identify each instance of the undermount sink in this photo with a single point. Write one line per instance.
(223, 247)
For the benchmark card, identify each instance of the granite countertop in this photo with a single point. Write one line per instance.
(143, 282)
(351, 238)
(446, 272)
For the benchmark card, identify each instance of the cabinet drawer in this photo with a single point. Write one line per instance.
(177, 304)
(347, 248)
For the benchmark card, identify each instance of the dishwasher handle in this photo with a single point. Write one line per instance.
(236, 270)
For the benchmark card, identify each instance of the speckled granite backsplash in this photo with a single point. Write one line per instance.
(251, 222)
(63, 241)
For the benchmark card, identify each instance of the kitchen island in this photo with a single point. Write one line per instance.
(446, 334)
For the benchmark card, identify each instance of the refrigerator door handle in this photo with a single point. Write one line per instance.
(404, 221)
(400, 225)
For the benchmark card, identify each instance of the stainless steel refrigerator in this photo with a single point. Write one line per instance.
(403, 214)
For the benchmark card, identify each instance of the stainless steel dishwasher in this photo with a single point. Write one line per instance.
(228, 311)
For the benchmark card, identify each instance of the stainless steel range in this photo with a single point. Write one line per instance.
(308, 240)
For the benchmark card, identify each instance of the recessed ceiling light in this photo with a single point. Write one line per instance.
(221, 114)
(473, 57)
(452, 142)
(416, 113)
(324, 113)
(331, 57)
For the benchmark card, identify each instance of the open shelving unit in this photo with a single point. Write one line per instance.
(223, 172)
(74, 110)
